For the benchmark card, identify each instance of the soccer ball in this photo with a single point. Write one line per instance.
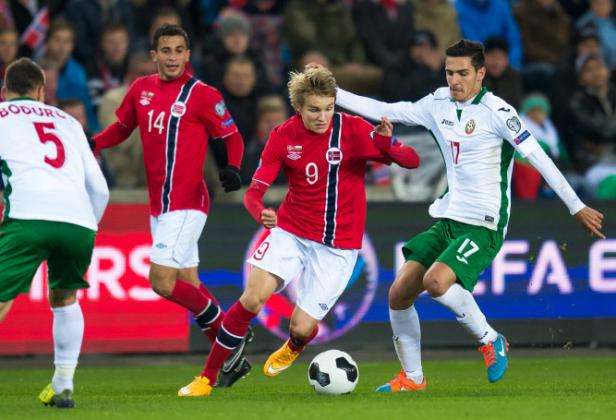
(333, 372)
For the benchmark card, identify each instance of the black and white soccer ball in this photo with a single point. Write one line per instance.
(333, 372)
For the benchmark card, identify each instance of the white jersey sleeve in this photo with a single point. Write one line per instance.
(555, 179)
(407, 113)
(96, 185)
(507, 124)
(512, 128)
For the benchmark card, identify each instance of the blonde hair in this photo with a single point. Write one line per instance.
(315, 81)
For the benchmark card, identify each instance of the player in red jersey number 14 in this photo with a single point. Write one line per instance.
(177, 116)
(316, 233)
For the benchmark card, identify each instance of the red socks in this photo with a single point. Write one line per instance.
(230, 335)
(202, 304)
(298, 344)
(188, 296)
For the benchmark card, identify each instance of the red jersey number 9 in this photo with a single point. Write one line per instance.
(312, 173)
(45, 135)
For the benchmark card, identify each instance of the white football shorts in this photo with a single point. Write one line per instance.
(322, 273)
(175, 237)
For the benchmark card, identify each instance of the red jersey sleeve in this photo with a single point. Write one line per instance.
(364, 142)
(214, 113)
(382, 149)
(127, 112)
(271, 159)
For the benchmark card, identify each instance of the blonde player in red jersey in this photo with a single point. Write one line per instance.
(316, 233)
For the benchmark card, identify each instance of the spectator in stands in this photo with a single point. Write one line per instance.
(238, 89)
(50, 69)
(483, 19)
(585, 41)
(593, 113)
(327, 26)
(72, 81)
(89, 17)
(111, 61)
(535, 113)
(601, 17)
(271, 111)
(232, 40)
(384, 28)
(163, 16)
(544, 26)
(76, 109)
(440, 18)
(500, 77)
(125, 161)
(267, 22)
(9, 44)
(420, 73)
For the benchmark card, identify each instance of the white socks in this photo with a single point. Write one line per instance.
(462, 303)
(67, 337)
(407, 341)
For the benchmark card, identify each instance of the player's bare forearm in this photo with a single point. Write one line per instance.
(592, 220)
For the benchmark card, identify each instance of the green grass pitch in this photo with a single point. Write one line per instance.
(533, 388)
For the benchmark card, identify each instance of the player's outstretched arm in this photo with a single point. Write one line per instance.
(111, 136)
(394, 151)
(407, 113)
(590, 218)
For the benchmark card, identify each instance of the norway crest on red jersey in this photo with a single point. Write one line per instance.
(333, 156)
(178, 109)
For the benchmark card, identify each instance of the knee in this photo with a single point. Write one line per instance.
(435, 285)
(60, 298)
(301, 329)
(396, 297)
(252, 301)
(161, 284)
(402, 294)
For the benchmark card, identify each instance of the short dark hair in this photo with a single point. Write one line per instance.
(23, 76)
(169, 30)
(467, 48)
(60, 25)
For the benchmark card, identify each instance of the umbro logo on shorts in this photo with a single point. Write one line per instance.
(323, 306)
(160, 246)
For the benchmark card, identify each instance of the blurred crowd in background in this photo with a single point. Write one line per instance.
(554, 61)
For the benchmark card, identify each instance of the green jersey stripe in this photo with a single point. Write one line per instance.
(507, 152)
(4, 169)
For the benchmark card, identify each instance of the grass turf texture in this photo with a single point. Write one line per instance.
(559, 388)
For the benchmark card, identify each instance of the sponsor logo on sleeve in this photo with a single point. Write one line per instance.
(504, 109)
(514, 124)
(220, 108)
(519, 139)
(227, 123)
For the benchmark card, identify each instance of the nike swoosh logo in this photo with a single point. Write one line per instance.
(501, 352)
(273, 371)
